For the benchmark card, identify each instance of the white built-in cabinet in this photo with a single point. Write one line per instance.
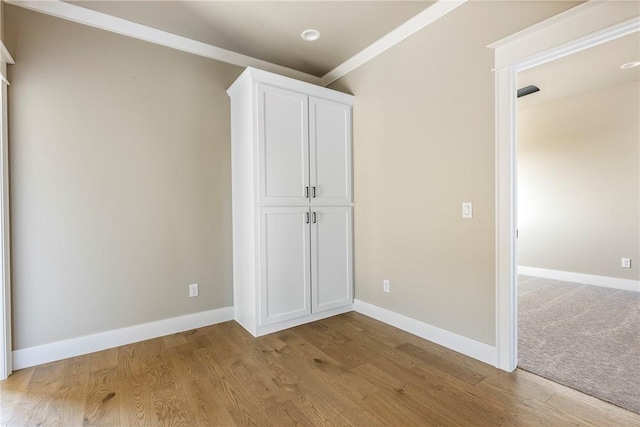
(292, 201)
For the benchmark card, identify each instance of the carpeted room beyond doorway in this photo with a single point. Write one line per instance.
(583, 336)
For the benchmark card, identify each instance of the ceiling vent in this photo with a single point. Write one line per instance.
(527, 90)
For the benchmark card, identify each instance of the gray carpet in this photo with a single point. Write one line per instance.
(585, 337)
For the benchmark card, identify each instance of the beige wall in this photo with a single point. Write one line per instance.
(579, 183)
(2, 14)
(120, 180)
(2, 20)
(423, 144)
(121, 189)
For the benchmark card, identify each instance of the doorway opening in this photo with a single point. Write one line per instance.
(578, 207)
(587, 25)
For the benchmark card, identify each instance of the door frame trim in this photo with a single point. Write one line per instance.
(6, 358)
(590, 24)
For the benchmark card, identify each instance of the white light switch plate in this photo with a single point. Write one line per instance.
(467, 210)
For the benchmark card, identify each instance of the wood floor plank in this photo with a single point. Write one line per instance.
(274, 344)
(403, 364)
(288, 414)
(395, 412)
(442, 364)
(321, 335)
(102, 402)
(12, 393)
(370, 343)
(348, 370)
(400, 399)
(136, 406)
(237, 400)
(451, 399)
(311, 396)
(225, 349)
(34, 407)
(205, 401)
(158, 369)
(331, 370)
(368, 328)
(175, 339)
(523, 383)
(129, 361)
(320, 411)
(104, 359)
(524, 410)
(591, 409)
(250, 375)
(171, 407)
(68, 405)
(334, 390)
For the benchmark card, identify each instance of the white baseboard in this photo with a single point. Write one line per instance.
(467, 346)
(59, 350)
(269, 329)
(585, 279)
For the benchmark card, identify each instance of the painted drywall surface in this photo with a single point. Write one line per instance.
(120, 180)
(423, 144)
(579, 183)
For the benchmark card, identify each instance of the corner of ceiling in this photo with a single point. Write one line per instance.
(121, 26)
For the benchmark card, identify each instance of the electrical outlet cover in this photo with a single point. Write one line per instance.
(193, 290)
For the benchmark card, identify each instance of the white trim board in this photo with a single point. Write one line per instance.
(5, 231)
(428, 16)
(467, 346)
(4, 53)
(59, 350)
(578, 28)
(121, 26)
(585, 279)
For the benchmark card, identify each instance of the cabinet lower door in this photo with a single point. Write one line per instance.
(331, 258)
(284, 263)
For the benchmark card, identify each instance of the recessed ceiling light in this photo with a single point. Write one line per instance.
(630, 65)
(310, 35)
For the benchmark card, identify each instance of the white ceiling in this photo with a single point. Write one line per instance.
(587, 71)
(270, 30)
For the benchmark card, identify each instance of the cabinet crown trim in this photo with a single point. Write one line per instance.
(261, 76)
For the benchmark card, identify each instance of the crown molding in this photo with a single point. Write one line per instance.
(428, 16)
(577, 10)
(121, 26)
(5, 55)
(566, 27)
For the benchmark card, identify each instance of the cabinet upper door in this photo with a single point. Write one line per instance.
(283, 146)
(284, 264)
(331, 258)
(330, 147)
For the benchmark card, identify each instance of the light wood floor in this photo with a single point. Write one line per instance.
(347, 370)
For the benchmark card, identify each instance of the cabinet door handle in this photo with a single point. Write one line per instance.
(306, 215)
(314, 218)
(306, 192)
(313, 190)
